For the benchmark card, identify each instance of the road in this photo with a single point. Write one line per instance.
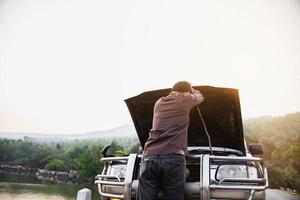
(281, 195)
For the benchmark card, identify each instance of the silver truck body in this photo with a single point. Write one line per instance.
(231, 172)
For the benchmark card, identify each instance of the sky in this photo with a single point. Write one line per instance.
(66, 66)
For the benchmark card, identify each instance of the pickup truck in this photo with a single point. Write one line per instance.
(220, 165)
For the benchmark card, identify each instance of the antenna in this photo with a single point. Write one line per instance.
(206, 132)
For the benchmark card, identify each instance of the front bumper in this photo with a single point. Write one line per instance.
(234, 188)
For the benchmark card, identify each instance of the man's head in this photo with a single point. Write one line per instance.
(182, 86)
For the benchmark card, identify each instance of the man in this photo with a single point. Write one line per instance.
(163, 163)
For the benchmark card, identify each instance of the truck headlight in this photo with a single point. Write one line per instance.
(118, 170)
(236, 171)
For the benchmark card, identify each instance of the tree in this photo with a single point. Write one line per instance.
(135, 148)
(89, 162)
(56, 165)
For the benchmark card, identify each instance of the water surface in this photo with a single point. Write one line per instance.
(14, 187)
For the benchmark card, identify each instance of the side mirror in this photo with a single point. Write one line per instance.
(256, 149)
(109, 150)
(104, 150)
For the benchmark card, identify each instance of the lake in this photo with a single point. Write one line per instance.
(14, 187)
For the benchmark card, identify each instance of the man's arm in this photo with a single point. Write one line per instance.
(196, 98)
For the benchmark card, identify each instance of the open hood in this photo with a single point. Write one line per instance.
(220, 110)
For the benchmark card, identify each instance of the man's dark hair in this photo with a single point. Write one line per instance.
(182, 86)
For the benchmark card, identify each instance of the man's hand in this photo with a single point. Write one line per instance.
(196, 91)
(196, 97)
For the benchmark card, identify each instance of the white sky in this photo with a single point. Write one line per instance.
(66, 66)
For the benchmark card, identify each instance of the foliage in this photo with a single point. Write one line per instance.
(280, 138)
(84, 156)
(89, 162)
(55, 165)
(135, 148)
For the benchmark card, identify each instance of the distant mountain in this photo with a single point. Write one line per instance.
(121, 131)
(124, 131)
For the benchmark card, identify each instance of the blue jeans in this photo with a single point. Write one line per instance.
(164, 173)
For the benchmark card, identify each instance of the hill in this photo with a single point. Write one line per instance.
(280, 138)
(121, 131)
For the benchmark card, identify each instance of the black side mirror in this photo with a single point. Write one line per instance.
(109, 150)
(104, 150)
(256, 149)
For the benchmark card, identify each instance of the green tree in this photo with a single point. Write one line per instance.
(89, 162)
(56, 165)
(280, 138)
(135, 148)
